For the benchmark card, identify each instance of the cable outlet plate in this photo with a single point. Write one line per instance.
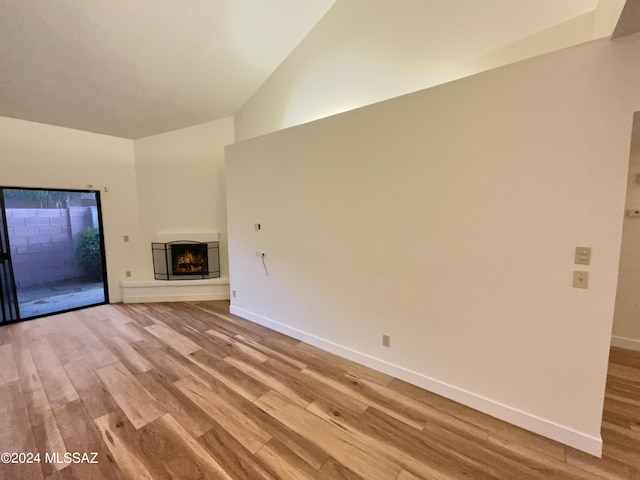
(580, 279)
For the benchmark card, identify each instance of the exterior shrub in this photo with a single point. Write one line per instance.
(88, 251)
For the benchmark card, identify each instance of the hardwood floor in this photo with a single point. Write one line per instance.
(189, 391)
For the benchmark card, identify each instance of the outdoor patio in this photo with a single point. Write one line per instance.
(36, 301)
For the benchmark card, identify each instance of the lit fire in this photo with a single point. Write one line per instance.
(188, 262)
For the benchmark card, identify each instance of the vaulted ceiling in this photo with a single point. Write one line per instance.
(133, 68)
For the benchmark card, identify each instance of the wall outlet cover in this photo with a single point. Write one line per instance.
(580, 279)
(583, 256)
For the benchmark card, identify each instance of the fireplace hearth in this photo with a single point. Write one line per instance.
(185, 260)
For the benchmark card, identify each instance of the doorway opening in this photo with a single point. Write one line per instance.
(626, 320)
(51, 252)
(623, 374)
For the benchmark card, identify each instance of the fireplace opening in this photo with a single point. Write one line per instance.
(189, 259)
(184, 260)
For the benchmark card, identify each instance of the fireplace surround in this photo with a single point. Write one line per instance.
(184, 289)
(185, 260)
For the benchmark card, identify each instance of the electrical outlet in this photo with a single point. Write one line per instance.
(233, 293)
(386, 341)
(260, 254)
(580, 279)
(126, 238)
(583, 255)
(128, 273)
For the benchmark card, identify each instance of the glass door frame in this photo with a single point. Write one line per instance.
(9, 306)
(4, 226)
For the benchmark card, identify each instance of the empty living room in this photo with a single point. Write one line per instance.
(333, 239)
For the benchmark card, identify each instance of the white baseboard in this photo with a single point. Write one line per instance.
(147, 291)
(546, 428)
(628, 343)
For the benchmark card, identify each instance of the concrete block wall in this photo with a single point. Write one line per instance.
(42, 243)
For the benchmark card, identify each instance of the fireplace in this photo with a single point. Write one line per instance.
(185, 260)
(189, 259)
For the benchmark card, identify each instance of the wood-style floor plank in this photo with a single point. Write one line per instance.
(27, 368)
(118, 323)
(271, 382)
(238, 347)
(314, 389)
(345, 448)
(189, 391)
(353, 388)
(130, 356)
(271, 353)
(173, 339)
(16, 434)
(233, 456)
(163, 359)
(180, 452)
(8, 368)
(334, 470)
(243, 428)
(82, 436)
(233, 378)
(192, 418)
(45, 427)
(87, 342)
(426, 466)
(63, 347)
(134, 400)
(94, 395)
(361, 371)
(123, 446)
(283, 463)
(52, 374)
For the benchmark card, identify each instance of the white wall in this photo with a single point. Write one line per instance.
(151, 181)
(626, 322)
(363, 52)
(181, 185)
(45, 156)
(448, 219)
(607, 16)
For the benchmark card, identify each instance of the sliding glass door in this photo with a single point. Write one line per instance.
(53, 251)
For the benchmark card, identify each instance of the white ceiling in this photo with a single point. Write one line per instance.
(133, 68)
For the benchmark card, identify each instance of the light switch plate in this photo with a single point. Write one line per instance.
(583, 255)
(580, 279)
